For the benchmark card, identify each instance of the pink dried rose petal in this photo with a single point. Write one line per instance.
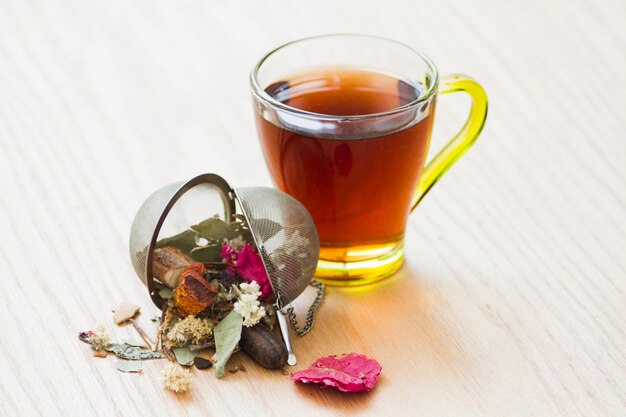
(349, 373)
(248, 264)
(229, 254)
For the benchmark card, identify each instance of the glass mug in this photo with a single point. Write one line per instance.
(345, 122)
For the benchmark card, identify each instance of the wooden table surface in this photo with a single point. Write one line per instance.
(512, 299)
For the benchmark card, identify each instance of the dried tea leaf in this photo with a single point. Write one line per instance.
(126, 351)
(185, 356)
(207, 253)
(125, 312)
(184, 241)
(165, 293)
(227, 334)
(122, 350)
(129, 366)
(203, 240)
(215, 230)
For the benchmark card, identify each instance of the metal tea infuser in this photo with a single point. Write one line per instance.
(278, 223)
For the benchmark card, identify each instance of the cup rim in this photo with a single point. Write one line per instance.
(260, 93)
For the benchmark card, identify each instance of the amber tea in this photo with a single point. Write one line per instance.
(358, 190)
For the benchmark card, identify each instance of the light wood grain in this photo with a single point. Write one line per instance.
(512, 299)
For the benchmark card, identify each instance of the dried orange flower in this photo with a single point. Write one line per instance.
(193, 294)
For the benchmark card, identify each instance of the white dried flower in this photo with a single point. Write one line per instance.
(248, 298)
(248, 305)
(176, 378)
(176, 334)
(190, 329)
(251, 288)
(242, 308)
(256, 314)
(100, 338)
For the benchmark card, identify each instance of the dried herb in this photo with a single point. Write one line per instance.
(227, 335)
(98, 338)
(185, 356)
(211, 298)
(129, 366)
(203, 241)
(130, 352)
(207, 253)
(216, 230)
(122, 350)
(190, 331)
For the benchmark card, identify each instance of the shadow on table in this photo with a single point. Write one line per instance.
(334, 399)
(407, 318)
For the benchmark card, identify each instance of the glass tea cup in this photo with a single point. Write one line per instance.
(344, 123)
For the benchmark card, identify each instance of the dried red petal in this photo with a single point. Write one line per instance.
(248, 264)
(349, 373)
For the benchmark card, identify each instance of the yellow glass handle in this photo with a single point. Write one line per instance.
(459, 144)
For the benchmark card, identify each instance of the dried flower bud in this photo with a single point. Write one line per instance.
(193, 293)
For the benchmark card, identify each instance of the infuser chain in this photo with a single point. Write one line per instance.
(310, 315)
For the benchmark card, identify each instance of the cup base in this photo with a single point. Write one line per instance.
(350, 274)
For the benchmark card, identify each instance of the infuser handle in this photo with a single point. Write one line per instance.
(284, 331)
